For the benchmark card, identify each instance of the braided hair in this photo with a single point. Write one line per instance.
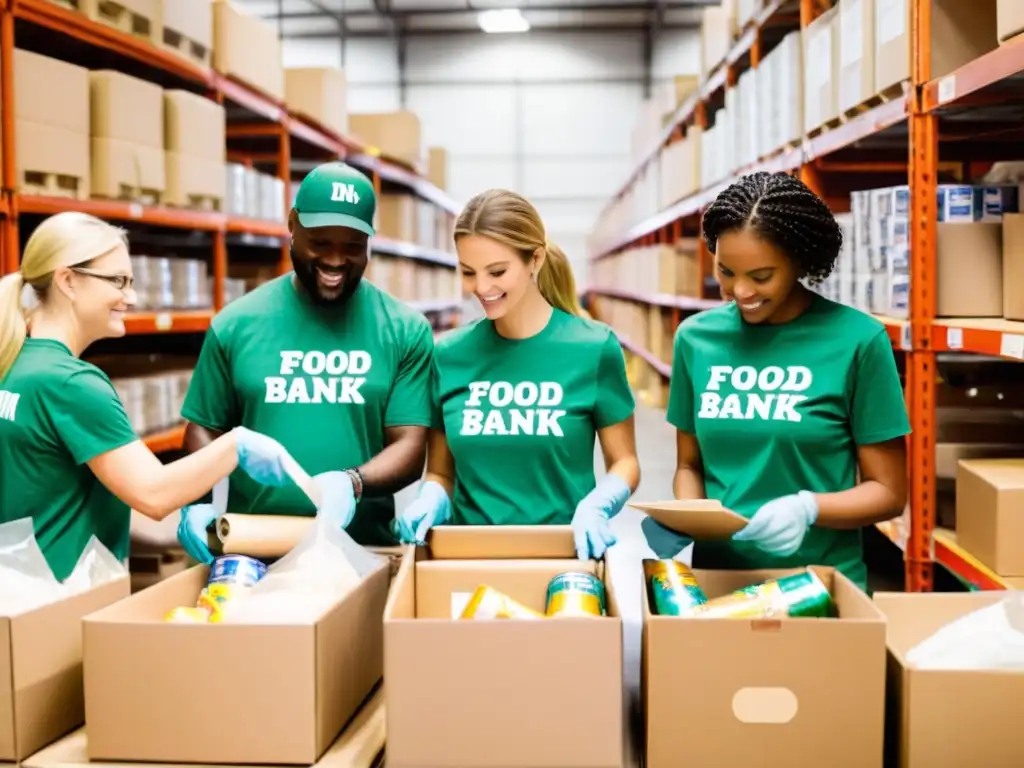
(784, 211)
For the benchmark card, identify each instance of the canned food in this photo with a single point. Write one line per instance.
(674, 590)
(576, 593)
(214, 597)
(802, 595)
(188, 616)
(240, 570)
(488, 603)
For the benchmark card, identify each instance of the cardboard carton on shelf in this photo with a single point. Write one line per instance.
(496, 678)
(273, 693)
(188, 29)
(247, 48)
(139, 18)
(318, 93)
(396, 134)
(41, 668)
(767, 686)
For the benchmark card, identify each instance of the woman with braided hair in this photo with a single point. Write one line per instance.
(780, 396)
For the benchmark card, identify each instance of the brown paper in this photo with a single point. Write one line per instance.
(261, 536)
(700, 519)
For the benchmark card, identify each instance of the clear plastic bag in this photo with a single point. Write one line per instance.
(990, 638)
(96, 565)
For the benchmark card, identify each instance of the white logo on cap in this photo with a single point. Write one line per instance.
(343, 193)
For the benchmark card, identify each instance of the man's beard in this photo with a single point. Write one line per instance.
(305, 273)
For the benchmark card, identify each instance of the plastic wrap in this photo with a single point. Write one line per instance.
(991, 638)
(26, 581)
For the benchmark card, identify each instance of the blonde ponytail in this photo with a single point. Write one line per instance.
(13, 328)
(557, 283)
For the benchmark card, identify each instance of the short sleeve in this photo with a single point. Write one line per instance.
(89, 417)
(211, 401)
(878, 411)
(680, 387)
(410, 401)
(614, 402)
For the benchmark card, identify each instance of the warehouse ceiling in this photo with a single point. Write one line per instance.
(372, 18)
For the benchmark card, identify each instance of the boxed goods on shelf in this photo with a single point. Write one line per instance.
(247, 48)
(960, 32)
(140, 18)
(396, 134)
(319, 94)
(567, 707)
(650, 270)
(437, 167)
(1009, 19)
(127, 138)
(51, 111)
(748, 137)
(679, 169)
(253, 194)
(397, 218)
(164, 283)
(821, 70)
(717, 30)
(921, 733)
(732, 658)
(1013, 266)
(195, 143)
(188, 28)
(856, 52)
(411, 280)
(989, 493)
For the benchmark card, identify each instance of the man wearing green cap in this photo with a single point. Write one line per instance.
(332, 367)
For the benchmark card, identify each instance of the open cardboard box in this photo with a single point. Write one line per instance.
(41, 695)
(727, 692)
(227, 693)
(482, 693)
(947, 717)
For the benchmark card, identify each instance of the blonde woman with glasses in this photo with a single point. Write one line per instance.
(69, 458)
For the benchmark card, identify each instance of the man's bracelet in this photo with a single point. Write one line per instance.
(357, 482)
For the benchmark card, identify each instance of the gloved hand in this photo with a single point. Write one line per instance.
(192, 531)
(337, 497)
(779, 526)
(431, 507)
(590, 522)
(664, 542)
(260, 457)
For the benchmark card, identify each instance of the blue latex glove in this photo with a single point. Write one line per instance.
(192, 531)
(431, 507)
(664, 542)
(590, 522)
(337, 497)
(779, 526)
(260, 457)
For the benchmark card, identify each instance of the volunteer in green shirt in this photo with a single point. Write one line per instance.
(69, 458)
(325, 362)
(780, 396)
(521, 394)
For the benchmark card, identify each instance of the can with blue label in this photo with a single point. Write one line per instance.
(237, 570)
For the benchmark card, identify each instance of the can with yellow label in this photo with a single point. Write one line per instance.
(673, 588)
(801, 595)
(576, 593)
(488, 603)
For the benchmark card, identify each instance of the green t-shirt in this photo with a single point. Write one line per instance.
(58, 412)
(782, 408)
(521, 417)
(325, 382)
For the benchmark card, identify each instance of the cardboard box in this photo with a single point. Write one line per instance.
(530, 693)
(318, 93)
(1009, 19)
(946, 717)
(122, 170)
(50, 92)
(51, 161)
(437, 167)
(856, 52)
(969, 288)
(194, 125)
(191, 19)
(396, 134)
(1013, 266)
(126, 109)
(194, 182)
(247, 48)
(821, 70)
(728, 691)
(41, 670)
(259, 694)
(396, 217)
(990, 513)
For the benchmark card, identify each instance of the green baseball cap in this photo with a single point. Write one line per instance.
(336, 195)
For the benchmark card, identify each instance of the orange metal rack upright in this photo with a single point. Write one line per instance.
(267, 134)
(837, 161)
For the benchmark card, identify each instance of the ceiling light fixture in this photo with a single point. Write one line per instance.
(503, 21)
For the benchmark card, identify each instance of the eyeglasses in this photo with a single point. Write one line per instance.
(121, 282)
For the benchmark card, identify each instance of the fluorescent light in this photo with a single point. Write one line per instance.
(502, 21)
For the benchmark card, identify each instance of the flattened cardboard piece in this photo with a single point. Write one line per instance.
(700, 519)
(501, 542)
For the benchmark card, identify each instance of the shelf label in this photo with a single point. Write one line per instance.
(164, 321)
(906, 340)
(135, 210)
(1012, 345)
(947, 89)
(955, 338)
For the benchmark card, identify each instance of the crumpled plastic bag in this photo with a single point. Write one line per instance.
(322, 568)
(26, 581)
(990, 638)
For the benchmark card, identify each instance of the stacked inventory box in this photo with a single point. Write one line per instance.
(196, 150)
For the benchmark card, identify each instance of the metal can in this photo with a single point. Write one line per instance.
(488, 603)
(240, 570)
(576, 593)
(802, 595)
(673, 588)
(185, 615)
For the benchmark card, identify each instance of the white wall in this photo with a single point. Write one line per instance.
(548, 115)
